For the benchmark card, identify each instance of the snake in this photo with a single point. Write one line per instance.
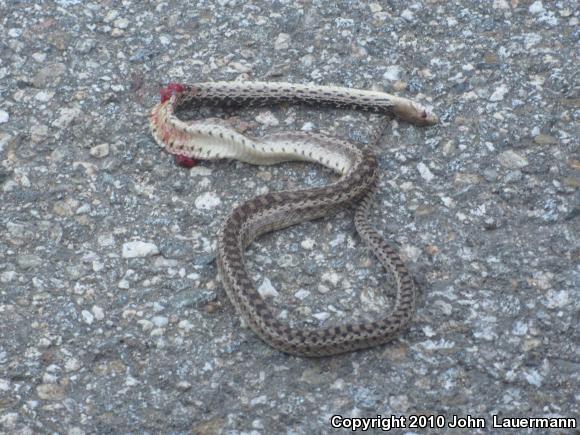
(214, 138)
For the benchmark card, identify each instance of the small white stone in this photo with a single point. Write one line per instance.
(448, 202)
(338, 240)
(146, 325)
(428, 331)
(533, 377)
(557, 299)
(100, 151)
(408, 15)
(6, 277)
(44, 96)
(499, 93)
(14, 32)
(130, 381)
(240, 67)
(207, 201)
(8, 420)
(39, 56)
(199, 171)
(331, 277)
(4, 385)
(186, 325)
(308, 126)
(139, 249)
(83, 209)
(393, 73)
(267, 290)
(258, 400)
(536, 8)
(425, 172)
(307, 244)
(323, 289)
(520, 328)
(307, 60)
(106, 240)
(282, 41)
(66, 116)
(184, 385)
(4, 117)
(121, 23)
(160, 321)
(87, 317)
(111, 16)
(445, 308)
(98, 312)
(257, 424)
(302, 294)
(321, 316)
(375, 7)
(124, 284)
(411, 252)
(72, 365)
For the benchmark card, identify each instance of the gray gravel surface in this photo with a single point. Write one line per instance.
(112, 317)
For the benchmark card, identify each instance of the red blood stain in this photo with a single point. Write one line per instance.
(170, 90)
(184, 161)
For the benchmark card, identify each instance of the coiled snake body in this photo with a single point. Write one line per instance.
(211, 139)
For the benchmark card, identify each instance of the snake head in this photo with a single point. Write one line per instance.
(170, 90)
(415, 113)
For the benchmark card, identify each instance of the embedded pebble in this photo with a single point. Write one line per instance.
(207, 201)
(139, 249)
(100, 151)
(321, 316)
(302, 294)
(393, 72)
(425, 172)
(29, 261)
(4, 117)
(98, 312)
(282, 42)
(50, 392)
(332, 277)
(6, 277)
(499, 93)
(536, 8)
(511, 159)
(88, 317)
(66, 116)
(121, 23)
(267, 290)
(160, 321)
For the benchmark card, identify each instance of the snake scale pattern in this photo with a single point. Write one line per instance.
(211, 139)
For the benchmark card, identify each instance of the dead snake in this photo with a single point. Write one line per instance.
(211, 139)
